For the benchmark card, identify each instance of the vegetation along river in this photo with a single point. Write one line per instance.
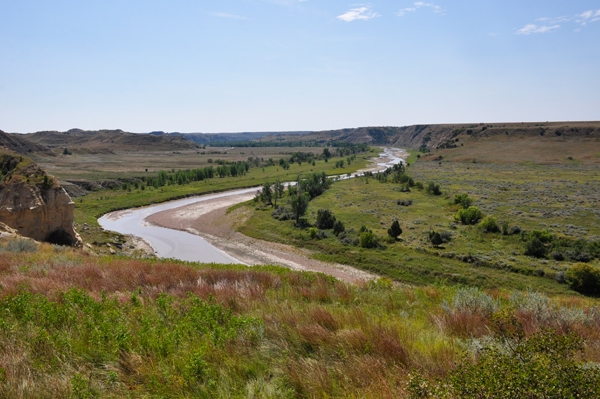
(182, 245)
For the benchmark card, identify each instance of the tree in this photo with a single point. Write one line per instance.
(278, 190)
(266, 195)
(464, 200)
(471, 215)
(326, 153)
(299, 204)
(395, 230)
(436, 239)
(433, 188)
(338, 227)
(325, 219)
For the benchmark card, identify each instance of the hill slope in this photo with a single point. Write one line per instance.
(99, 141)
(20, 145)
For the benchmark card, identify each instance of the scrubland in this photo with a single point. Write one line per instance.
(78, 326)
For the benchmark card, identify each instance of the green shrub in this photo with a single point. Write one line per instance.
(489, 224)
(325, 219)
(535, 248)
(433, 188)
(543, 236)
(584, 278)
(471, 215)
(463, 200)
(338, 227)
(436, 239)
(313, 232)
(368, 240)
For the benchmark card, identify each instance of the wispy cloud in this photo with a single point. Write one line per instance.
(531, 28)
(551, 24)
(419, 4)
(363, 12)
(225, 15)
(588, 16)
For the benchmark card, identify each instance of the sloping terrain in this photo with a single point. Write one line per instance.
(446, 136)
(106, 141)
(20, 145)
(207, 138)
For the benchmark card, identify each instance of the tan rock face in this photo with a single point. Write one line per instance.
(42, 211)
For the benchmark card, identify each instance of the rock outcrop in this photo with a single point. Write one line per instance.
(33, 203)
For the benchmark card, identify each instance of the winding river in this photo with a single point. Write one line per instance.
(169, 243)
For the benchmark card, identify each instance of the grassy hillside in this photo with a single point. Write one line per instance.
(77, 326)
(20, 145)
(560, 199)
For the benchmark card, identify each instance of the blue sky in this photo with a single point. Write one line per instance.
(265, 65)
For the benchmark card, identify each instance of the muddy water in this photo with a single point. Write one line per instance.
(181, 245)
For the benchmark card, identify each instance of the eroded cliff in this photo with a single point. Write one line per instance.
(33, 203)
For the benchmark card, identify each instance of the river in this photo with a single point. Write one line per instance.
(169, 243)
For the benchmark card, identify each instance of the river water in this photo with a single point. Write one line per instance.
(169, 243)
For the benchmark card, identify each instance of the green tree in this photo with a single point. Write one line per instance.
(368, 240)
(325, 219)
(299, 204)
(436, 239)
(535, 247)
(266, 195)
(278, 191)
(338, 227)
(395, 230)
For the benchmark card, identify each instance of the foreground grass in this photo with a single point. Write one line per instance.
(77, 326)
(558, 198)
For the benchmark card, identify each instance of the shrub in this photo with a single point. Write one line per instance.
(283, 213)
(433, 188)
(514, 230)
(543, 236)
(338, 227)
(542, 366)
(471, 215)
(535, 248)
(404, 202)
(313, 232)
(419, 185)
(436, 239)
(368, 240)
(463, 200)
(325, 219)
(395, 230)
(21, 245)
(472, 300)
(489, 224)
(505, 228)
(584, 278)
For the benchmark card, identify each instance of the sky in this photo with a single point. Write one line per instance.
(282, 65)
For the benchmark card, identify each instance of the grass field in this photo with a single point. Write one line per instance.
(562, 199)
(120, 164)
(77, 326)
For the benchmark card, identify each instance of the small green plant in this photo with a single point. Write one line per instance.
(21, 245)
(435, 238)
(313, 232)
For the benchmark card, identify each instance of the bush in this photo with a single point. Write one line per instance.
(541, 366)
(535, 248)
(313, 232)
(22, 245)
(489, 224)
(471, 215)
(283, 213)
(368, 240)
(436, 239)
(584, 278)
(463, 200)
(404, 202)
(338, 227)
(433, 188)
(325, 219)
(543, 236)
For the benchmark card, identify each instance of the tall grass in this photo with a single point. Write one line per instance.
(73, 325)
